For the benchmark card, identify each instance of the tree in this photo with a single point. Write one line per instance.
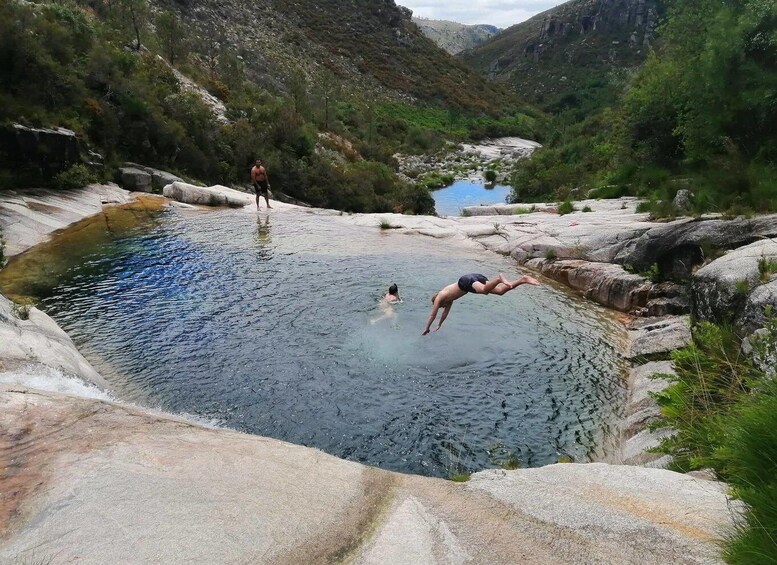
(213, 40)
(171, 36)
(298, 89)
(135, 15)
(327, 88)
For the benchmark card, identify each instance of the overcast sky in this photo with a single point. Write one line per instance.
(501, 13)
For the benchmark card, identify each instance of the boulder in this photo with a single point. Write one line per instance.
(682, 200)
(753, 316)
(651, 336)
(159, 178)
(39, 341)
(39, 151)
(642, 383)
(607, 284)
(134, 180)
(720, 291)
(206, 196)
(660, 244)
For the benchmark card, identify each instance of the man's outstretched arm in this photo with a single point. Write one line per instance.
(432, 316)
(444, 315)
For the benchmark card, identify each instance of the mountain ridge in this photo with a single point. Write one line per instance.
(455, 37)
(570, 47)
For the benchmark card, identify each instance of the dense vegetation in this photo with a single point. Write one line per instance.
(93, 67)
(723, 405)
(700, 114)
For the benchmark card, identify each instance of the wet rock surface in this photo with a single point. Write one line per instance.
(29, 217)
(91, 481)
(38, 340)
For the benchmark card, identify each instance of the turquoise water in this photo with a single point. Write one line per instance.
(271, 325)
(450, 201)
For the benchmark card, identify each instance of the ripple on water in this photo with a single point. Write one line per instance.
(265, 325)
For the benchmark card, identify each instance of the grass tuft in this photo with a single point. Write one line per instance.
(22, 309)
(723, 407)
(386, 225)
(766, 268)
(460, 477)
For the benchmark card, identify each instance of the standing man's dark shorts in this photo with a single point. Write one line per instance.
(466, 282)
(261, 186)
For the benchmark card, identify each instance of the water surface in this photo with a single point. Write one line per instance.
(451, 200)
(268, 325)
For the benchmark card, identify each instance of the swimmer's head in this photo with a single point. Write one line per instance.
(393, 290)
(434, 297)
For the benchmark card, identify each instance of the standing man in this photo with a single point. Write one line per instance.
(261, 182)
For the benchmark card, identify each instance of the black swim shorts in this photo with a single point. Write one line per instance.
(261, 186)
(465, 282)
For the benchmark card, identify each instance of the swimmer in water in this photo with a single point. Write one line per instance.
(476, 283)
(392, 296)
(387, 304)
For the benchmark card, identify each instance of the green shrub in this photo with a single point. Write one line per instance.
(490, 176)
(550, 255)
(587, 209)
(565, 207)
(77, 176)
(653, 273)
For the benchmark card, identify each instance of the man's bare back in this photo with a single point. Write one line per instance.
(474, 283)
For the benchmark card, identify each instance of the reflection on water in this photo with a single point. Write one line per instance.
(271, 325)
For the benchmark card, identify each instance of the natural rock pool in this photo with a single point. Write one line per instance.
(265, 324)
(451, 200)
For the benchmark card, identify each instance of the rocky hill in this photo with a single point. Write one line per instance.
(453, 36)
(559, 55)
(372, 46)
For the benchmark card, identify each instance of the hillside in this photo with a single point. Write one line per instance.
(453, 36)
(294, 82)
(570, 52)
(372, 46)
